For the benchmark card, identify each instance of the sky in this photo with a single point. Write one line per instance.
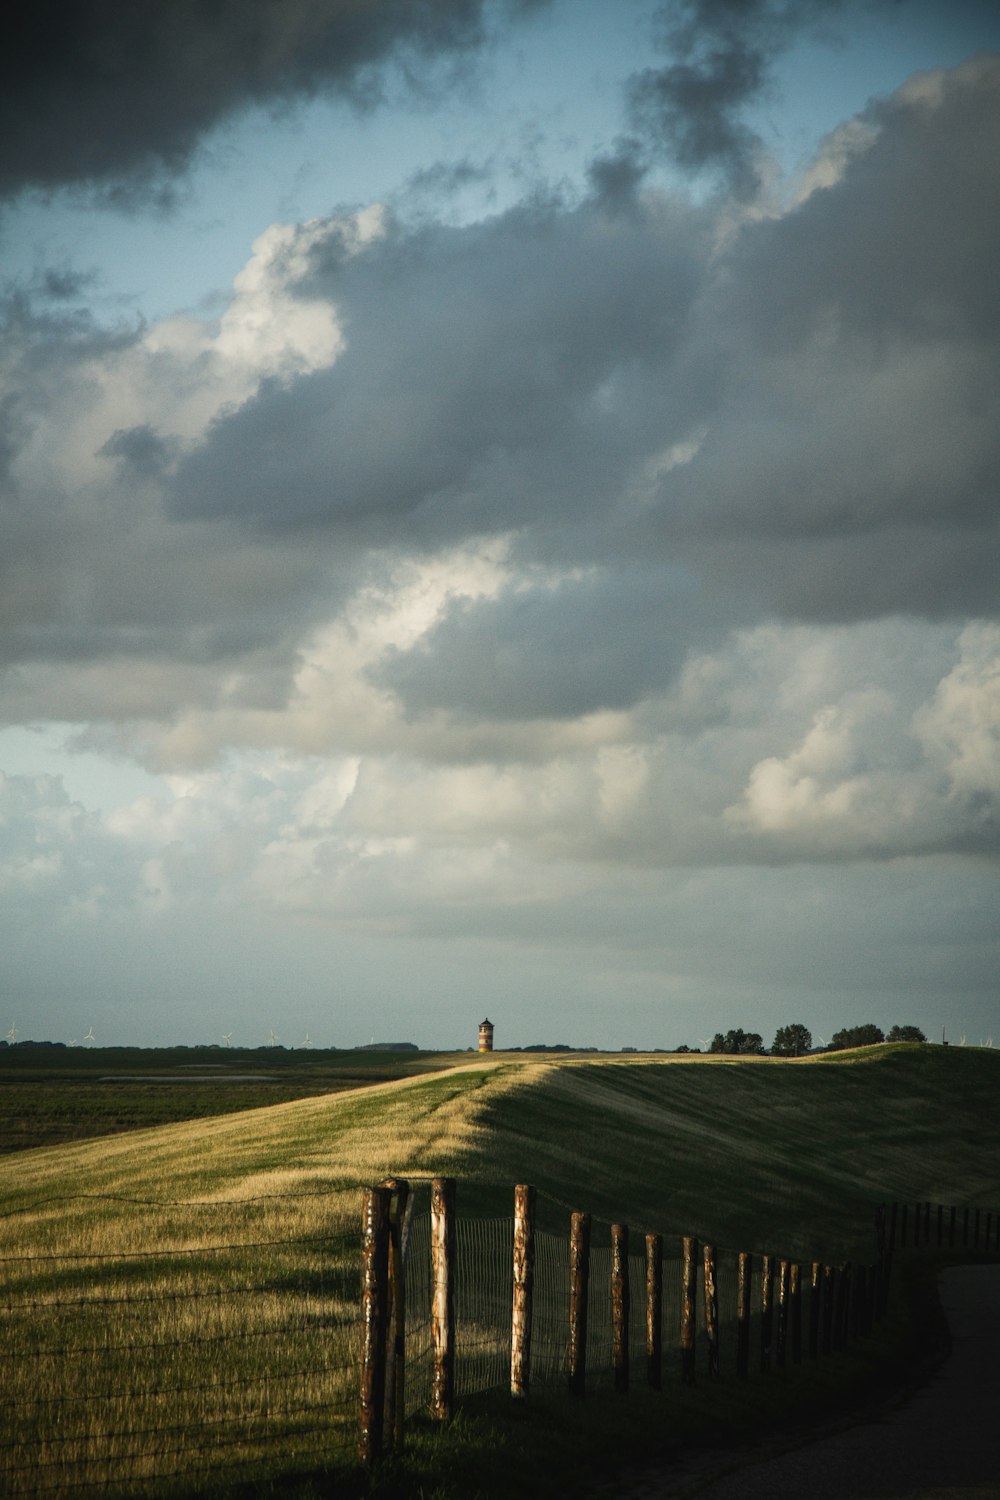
(499, 516)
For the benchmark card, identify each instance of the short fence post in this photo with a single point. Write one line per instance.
(711, 1311)
(443, 1297)
(826, 1337)
(620, 1305)
(395, 1370)
(902, 1226)
(374, 1314)
(579, 1282)
(843, 1305)
(893, 1217)
(744, 1284)
(815, 1305)
(975, 1233)
(927, 1225)
(689, 1298)
(795, 1297)
(654, 1311)
(951, 1225)
(766, 1311)
(781, 1339)
(524, 1282)
(965, 1226)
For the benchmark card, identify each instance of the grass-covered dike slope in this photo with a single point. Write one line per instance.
(789, 1156)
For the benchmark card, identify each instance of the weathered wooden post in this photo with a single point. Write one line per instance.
(815, 1306)
(524, 1284)
(621, 1306)
(711, 1311)
(862, 1303)
(766, 1311)
(374, 1315)
(443, 1298)
(795, 1299)
(781, 1338)
(395, 1369)
(654, 1311)
(689, 1301)
(842, 1306)
(829, 1291)
(744, 1285)
(579, 1284)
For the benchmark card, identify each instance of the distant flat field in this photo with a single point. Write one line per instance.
(50, 1096)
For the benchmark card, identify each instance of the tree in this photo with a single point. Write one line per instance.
(792, 1041)
(738, 1043)
(906, 1034)
(856, 1036)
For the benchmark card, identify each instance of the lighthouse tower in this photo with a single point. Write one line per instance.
(486, 1036)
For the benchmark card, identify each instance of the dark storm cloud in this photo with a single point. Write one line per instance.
(852, 465)
(721, 57)
(114, 93)
(493, 377)
(600, 642)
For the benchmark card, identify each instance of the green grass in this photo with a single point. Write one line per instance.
(53, 1095)
(789, 1157)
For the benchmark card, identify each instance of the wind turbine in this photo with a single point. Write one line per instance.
(228, 1038)
(12, 1034)
(90, 1037)
(308, 1040)
(273, 1042)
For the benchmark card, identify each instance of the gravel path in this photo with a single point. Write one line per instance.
(941, 1443)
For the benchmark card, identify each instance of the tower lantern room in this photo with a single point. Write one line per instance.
(486, 1036)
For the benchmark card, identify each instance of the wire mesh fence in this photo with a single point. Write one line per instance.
(128, 1371)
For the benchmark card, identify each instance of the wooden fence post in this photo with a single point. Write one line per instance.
(829, 1288)
(815, 1305)
(940, 1225)
(843, 1305)
(524, 1284)
(579, 1283)
(965, 1226)
(443, 1298)
(975, 1234)
(951, 1225)
(654, 1311)
(374, 1312)
(711, 1311)
(927, 1224)
(902, 1225)
(781, 1338)
(621, 1305)
(395, 1369)
(795, 1297)
(766, 1311)
(689, 1299)
(744, 1285)
(893, 1218)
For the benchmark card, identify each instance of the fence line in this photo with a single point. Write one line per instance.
(126, 1372)
(596, 1312)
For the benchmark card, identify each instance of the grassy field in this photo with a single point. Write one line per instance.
(50, 1095)
(164, 1254)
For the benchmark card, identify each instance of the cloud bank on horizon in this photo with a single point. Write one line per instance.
(601, 591)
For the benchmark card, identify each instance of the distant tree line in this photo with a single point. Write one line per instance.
(796, 1040)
